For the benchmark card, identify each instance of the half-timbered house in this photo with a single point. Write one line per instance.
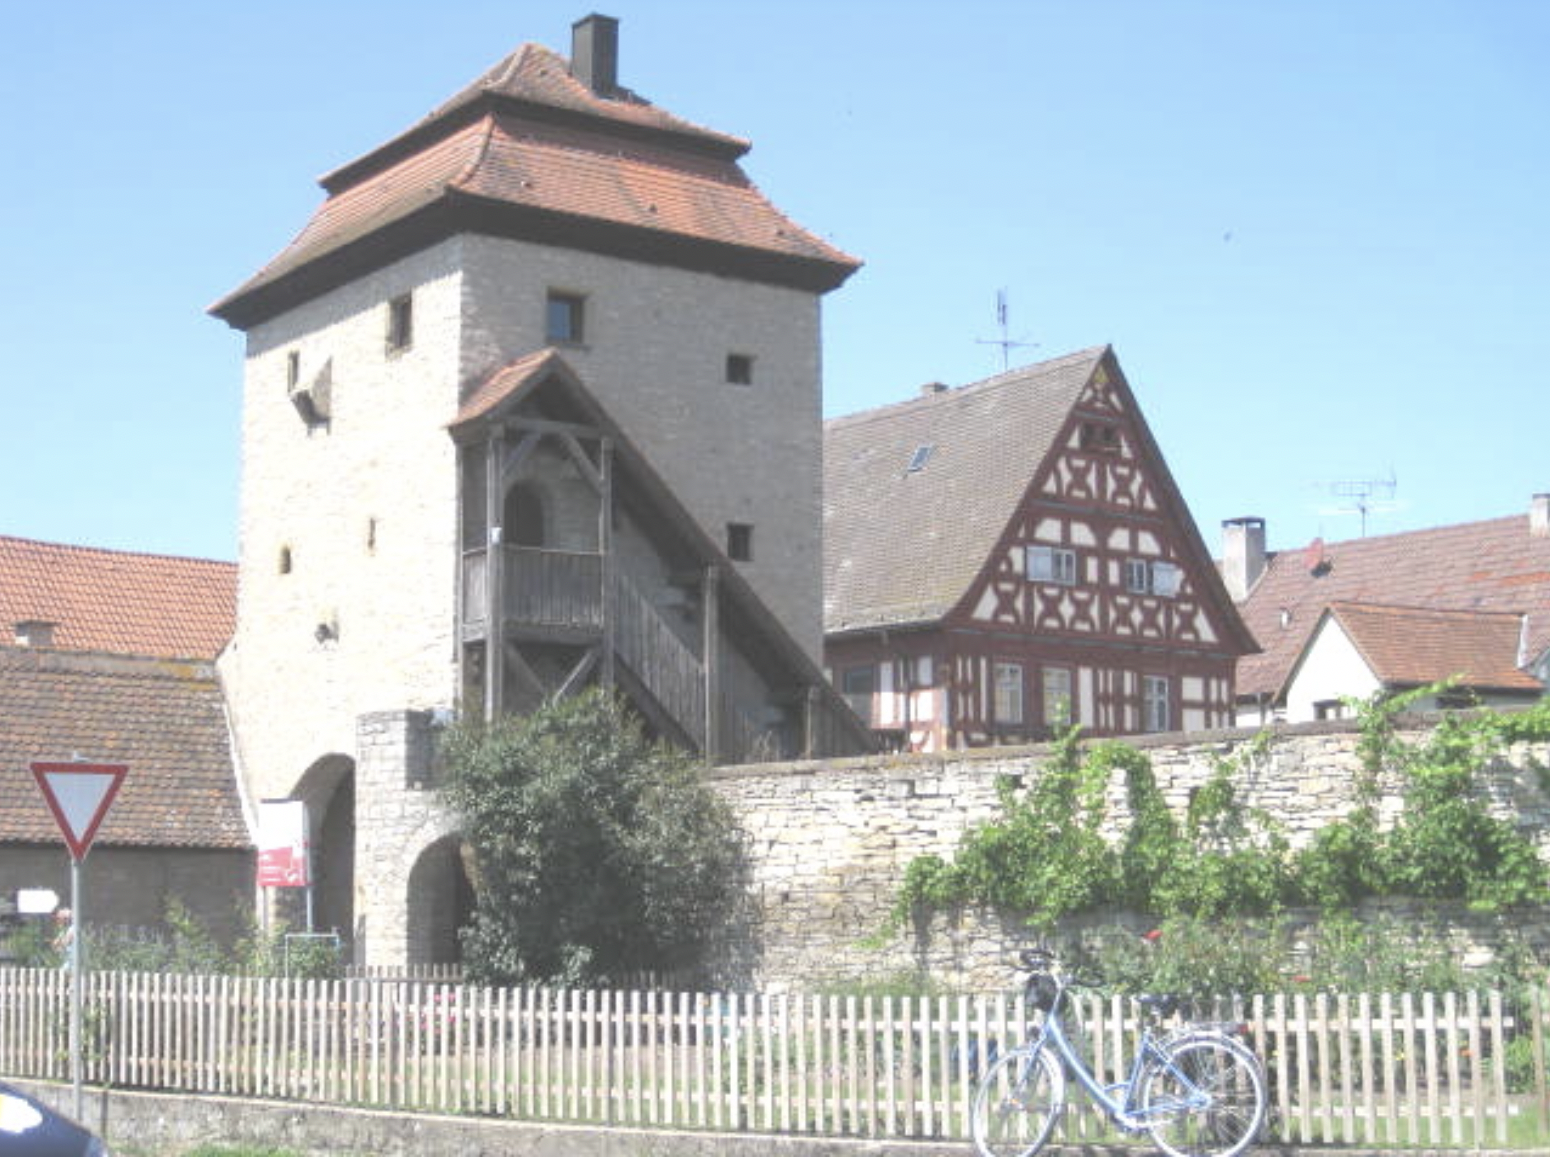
(1012, 556)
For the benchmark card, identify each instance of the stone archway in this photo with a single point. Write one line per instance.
(440, 901)
(328, 789)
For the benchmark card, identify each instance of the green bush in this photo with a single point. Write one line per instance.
(598, 852)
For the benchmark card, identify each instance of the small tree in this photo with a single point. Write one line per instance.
(597, 851)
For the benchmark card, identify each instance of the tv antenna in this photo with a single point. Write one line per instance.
(1363, 496)
(1006, 343)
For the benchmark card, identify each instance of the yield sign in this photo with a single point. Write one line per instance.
(79, 796)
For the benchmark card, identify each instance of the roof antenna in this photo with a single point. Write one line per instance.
(1003, 341)
(1361, 496)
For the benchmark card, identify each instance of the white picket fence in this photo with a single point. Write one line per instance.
(1377, 1070)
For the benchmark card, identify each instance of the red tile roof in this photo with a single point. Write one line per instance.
(1411, 646)
(529, 151)
(1495, 565)
(117, 601)
(162, 718)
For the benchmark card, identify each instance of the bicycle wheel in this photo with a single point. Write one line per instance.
(1206, 1098)
(1017, 1103)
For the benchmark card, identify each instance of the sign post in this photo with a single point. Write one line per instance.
(79, 795)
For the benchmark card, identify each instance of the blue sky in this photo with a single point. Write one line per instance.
(1314, 232)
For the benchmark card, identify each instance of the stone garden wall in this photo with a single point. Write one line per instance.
(830, 842)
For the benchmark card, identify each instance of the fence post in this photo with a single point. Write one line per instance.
(1537, 1021)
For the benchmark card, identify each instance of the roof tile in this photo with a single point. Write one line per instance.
(118, 601)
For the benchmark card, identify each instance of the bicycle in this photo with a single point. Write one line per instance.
(1199, 1091)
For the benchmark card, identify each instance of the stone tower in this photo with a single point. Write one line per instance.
(544, 273)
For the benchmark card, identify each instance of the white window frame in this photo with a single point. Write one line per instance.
(1008, 706)
(1051, 565)
(1152, 577)
(1156, 703)
(1059, 698)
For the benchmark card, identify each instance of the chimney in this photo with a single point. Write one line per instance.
(594, 53)
(932, 388)
(35, 633)
(1539, 516)
(1243, 555)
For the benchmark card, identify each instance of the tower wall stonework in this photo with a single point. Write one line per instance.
(348, 538)
(398, 817)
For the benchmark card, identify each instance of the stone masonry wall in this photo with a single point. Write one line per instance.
(830, 842)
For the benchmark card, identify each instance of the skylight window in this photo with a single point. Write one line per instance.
(921, 457)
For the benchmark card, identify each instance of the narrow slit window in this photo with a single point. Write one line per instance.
(400, 334)
(740, 542)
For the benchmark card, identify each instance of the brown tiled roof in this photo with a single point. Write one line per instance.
(1412, 646)
(162, 718)
(902, 547)
(1492, 565)
(528, 151)
(117, 601)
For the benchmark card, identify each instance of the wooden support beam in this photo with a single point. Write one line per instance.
(710, 658)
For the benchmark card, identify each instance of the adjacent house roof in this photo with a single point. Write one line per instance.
(117, 601)
(529, 151)
(1412, 646)
(162, 718)
(917, 495)
(902, 547)
(1497, 565)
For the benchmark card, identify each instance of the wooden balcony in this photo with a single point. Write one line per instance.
(541, 590)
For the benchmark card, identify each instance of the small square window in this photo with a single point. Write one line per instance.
(564, 320)
(400, 333)
(740, 369)
(740, 542)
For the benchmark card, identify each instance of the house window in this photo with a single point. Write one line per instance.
(1052, 565)
(1330, 710)
(740, 369)
(400, 331)
(857, 685)
(1057, 697)
(1156, 711)
(1100, 436)
(740, 542)
(1152, 577)
(564, 321)
(921, 456)
(1008, 706)
(292, 369)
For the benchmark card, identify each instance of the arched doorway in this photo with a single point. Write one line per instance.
(523, 515)
(328, 790)
(440, 901)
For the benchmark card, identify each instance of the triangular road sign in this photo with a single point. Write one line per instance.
(79, 796)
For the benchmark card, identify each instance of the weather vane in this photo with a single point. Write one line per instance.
(1004, 341)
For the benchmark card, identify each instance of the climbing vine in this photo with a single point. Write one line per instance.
(1054, 850)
